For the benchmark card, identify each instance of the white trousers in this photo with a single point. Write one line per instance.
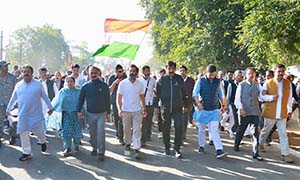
(281, 127)
(229, 116)
(213, 129)
(133, 120)
(25, 140)
(224, 118)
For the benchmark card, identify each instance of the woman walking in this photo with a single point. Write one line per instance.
(66, 102)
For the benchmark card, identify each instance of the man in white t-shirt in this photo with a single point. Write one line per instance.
(131, 107)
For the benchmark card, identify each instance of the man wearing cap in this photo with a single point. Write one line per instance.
(7, 85)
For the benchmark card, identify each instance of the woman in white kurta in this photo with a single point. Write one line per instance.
(29, 94)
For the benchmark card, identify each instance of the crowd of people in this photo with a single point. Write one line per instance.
(244, 103)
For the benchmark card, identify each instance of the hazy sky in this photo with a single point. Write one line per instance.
(80, 20)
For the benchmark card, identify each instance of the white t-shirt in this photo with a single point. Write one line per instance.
(131, 95)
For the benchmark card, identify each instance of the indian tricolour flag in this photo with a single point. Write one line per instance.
(123, 38)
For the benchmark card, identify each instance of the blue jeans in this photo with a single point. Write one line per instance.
(97, 131)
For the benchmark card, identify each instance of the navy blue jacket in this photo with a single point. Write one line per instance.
(97, 96)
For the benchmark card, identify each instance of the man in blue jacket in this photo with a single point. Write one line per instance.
(96, 94)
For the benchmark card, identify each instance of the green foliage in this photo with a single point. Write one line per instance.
(155, 63)
(39, 46)
(232, 34)
(197, 32)
(271, 32)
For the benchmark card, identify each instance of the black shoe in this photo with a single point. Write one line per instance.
(67, 152)
(25, 157)
(12, 141)
(258, 157)
(122, 142)
(143, 144)
(94, 152)
(44, 147)
(211, 143)
(236, 148)
(178, 154)
(167, 152)
(101, 157)
(201, 150)
(222, 128)
(136, 154)
(220, 154)
(248, 136)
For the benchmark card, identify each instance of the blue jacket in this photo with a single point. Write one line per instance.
(97, 96)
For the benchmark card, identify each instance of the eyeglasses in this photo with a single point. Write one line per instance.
(120, 71)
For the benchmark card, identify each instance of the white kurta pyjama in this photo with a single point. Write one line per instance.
(29, 96)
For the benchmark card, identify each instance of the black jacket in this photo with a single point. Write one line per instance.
(172, 93)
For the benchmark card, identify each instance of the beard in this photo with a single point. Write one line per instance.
(132, 76)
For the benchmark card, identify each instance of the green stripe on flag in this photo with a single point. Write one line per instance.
(118, 49)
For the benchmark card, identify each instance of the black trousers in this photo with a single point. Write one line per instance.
(159, 121)
(186, 118)
(245, 121)
(167, 117)
(147, 124)
(118, 122)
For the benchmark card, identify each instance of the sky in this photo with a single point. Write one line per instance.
(80, 20)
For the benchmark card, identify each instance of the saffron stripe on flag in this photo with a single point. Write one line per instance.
(116, 25)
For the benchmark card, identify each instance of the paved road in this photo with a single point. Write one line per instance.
(153, 165)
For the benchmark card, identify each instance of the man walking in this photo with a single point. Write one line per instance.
(114, 82)
(28, 94)
(189, 86)
(171, 91)
(233, 117)
(149, 84)
(96, 94)
(132, 109)
(49, 85)
(7, 85)
(246, 101)
(277, 94)
(207, 93)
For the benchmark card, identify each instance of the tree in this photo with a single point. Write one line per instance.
(82, 56)
(197, 32)
(271, 32)
(39, 46)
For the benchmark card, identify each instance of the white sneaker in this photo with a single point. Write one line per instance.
(230, 133)
(159, 135)
(127, 150)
